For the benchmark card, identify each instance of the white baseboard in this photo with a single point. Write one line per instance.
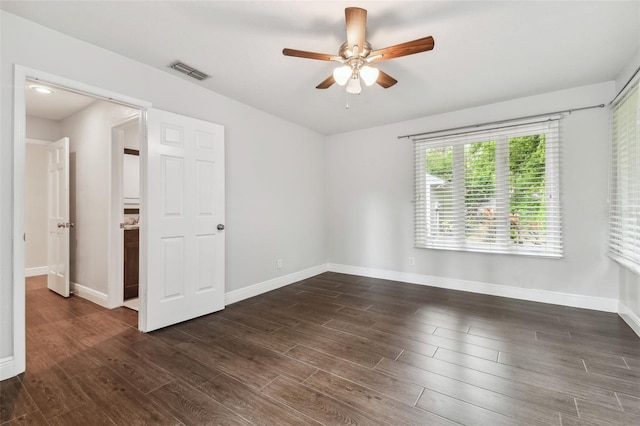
(34, 272)
(265, 286)
(7, 368)
(629, 317)
(533, 295)
(90, 294)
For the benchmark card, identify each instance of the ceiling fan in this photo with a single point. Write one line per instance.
(356, 55)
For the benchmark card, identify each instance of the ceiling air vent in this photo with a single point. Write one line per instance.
(190, 71)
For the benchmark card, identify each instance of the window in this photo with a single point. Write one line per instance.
(624, 214)
(492, 191)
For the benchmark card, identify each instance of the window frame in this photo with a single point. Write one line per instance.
(553, 245)
(624, 212)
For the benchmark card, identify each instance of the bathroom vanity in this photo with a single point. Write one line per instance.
(131, 261)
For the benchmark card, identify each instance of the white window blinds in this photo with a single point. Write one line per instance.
(493, 190)
(624, 214)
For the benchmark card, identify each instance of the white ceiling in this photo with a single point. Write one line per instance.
(54, 106)
(485, 51)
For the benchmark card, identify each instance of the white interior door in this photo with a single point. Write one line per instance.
(58, 217)
(185, 219)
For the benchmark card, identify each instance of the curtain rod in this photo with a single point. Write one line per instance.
(625, 86)
(501, 121)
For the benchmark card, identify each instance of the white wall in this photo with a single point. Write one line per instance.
(89, 132)
(35, 189)
(629, 280)
(275, 173)
(370, 210)
(35, 208)
(43, 129)
(630, 298)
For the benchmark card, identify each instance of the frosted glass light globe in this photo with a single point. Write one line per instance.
(353, 86)
(342, 74)
(369, 74)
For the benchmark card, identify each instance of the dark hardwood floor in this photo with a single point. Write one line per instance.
(335, 350)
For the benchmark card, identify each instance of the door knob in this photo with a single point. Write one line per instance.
(220, 227)
(61, 225)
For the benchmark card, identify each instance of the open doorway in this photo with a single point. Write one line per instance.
(182, 210)
(125, 143)
(87, 122)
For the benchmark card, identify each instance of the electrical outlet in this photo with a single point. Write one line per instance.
(412, 261)
(279, 263)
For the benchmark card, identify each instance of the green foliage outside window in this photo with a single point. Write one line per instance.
(526, 188)
(527, 179)
(439, 163)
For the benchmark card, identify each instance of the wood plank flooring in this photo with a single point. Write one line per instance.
(334, 350)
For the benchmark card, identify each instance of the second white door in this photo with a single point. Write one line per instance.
(58, 226)
(184, 211)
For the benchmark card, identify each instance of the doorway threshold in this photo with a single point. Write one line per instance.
(132, 304)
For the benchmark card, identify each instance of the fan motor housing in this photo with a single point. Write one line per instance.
(346, 54)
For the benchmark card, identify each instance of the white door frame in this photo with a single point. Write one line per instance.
(116, 235)
(21, 74)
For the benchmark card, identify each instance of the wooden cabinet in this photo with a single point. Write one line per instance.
(131, 262)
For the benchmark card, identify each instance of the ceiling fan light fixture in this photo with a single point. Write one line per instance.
(342, 74)
(353, 86)
(369, 74)
(355, 55)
